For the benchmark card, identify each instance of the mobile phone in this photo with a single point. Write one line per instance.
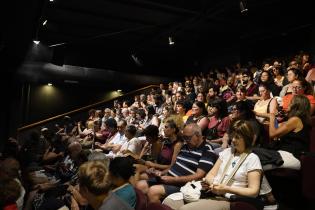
(158, 178)
(276, 123)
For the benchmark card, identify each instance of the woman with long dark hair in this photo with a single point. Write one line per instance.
(294, 133)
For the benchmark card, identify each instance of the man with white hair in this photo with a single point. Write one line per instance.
(107, 115)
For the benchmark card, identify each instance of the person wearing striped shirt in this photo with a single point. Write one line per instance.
(194, 160)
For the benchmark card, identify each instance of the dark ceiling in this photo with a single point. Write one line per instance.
(105, 33)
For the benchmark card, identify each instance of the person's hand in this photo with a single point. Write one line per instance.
(150, 171)
(218, 189)
(272, 116)
(126, 152)
(149, 163)
(70, 188)
(98, 145)
(205, 186)
(167, 179)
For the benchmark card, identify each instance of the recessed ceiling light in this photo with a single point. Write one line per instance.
(243, 6)
(51, 0)
(36, 41)
(170, 41)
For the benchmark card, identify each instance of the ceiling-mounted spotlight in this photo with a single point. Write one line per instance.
(243, 6)
(51, 0)
(36, 42)
(137, 60)
(49, 84)
(45, 22)
(170, 41)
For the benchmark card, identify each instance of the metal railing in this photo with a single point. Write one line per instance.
(50, 122)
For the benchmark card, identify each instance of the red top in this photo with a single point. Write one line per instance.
(286, 100)
(10, 207)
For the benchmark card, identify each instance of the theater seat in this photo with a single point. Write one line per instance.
(245, 203)
(308, 174)
(142, 201)
(302, 182)
(157, 206)
(308, 163)
(241, 206)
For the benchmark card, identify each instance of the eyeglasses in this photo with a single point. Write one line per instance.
(297, 87)
(187, 138)
(233, 109)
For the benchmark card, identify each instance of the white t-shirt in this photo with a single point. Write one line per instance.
(134, 145)
(118, 138)
(251, 163)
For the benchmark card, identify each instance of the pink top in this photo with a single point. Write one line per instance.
(222, 125)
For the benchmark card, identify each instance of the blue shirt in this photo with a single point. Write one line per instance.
(127, 194)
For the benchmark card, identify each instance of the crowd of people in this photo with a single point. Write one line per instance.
(221, 128)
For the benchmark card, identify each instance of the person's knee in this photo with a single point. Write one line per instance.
(173, 204)
(185, 207)
(143, 186)
(155, 193)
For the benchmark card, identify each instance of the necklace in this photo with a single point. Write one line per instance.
(233, 163)
(235, 160)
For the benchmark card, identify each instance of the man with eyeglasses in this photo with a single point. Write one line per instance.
(113, 145)
(194, 160)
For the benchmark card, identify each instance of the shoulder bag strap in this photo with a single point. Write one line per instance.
(239, 163)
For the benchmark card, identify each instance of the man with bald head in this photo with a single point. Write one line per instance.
(194, 160)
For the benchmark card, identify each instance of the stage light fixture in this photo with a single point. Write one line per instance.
(36, 42)
(49, 84)
(45, 22)
(243, 7)
(170, 41)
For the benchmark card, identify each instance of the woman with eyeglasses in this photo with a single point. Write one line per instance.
(299, 87)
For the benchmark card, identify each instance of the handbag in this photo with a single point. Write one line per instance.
(212, 133)
(191, 191)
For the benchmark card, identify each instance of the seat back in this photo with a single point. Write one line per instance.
(238, 202)
(241, 206)
(312, 136)
(308, 174)
(157, 206)
(141, 201)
